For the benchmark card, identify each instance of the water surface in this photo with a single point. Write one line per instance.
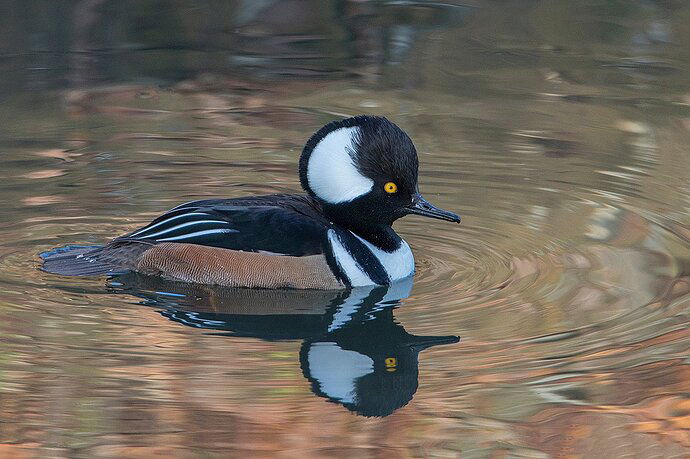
(558, 130)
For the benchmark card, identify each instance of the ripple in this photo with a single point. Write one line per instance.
(543, 261)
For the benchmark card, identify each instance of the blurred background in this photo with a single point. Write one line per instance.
(559, 130)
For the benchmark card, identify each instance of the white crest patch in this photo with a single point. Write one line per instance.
(331, 172)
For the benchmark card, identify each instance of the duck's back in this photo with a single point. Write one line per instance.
(263, 241)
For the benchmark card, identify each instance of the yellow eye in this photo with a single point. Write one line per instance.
(391, 364)
(390, 187)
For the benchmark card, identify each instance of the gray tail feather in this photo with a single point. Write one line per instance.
(117, 257)
(76, 261)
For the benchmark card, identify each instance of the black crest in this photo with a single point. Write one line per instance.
(383, 152)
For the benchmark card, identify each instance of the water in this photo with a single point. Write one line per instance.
(558, 130)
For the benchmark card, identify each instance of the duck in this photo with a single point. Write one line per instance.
(359, 176)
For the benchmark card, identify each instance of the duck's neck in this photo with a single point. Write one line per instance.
(356, 218)
(371, 255)
(382, 236)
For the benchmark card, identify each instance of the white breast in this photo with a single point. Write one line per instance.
(398, 264)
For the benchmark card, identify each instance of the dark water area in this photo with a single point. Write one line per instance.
(553, 322)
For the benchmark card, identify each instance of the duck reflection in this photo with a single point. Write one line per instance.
(353, 352)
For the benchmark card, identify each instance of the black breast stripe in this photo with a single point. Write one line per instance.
(335, 267)
(364, 258)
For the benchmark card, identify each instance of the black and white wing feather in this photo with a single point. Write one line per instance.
(281, 224)
(194, 225)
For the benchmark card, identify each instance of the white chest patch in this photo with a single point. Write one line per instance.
(398, 264)
(331, 172)
(355, 274)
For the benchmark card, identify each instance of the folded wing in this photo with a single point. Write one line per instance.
(286, 225)
(278, 224)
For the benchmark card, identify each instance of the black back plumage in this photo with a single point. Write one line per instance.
(282, 224)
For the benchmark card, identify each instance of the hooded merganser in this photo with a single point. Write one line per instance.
(360, 175)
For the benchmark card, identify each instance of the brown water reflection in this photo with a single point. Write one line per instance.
(559, 130)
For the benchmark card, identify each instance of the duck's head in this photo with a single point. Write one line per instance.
(364, 171)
